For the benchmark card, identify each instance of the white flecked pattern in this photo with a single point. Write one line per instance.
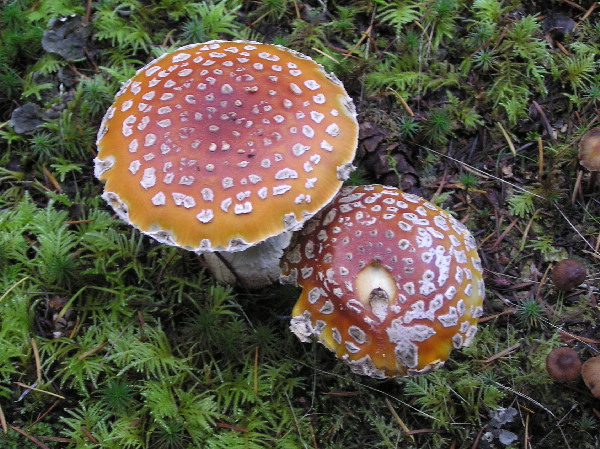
(396, 280)
(264, 128)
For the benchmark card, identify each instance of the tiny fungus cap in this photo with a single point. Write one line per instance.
(220, 145)
(589, 149)
(390, 282)
(563, 364)
(590, 371)
(568, 274)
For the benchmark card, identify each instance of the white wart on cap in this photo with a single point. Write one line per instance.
(221, 145)
(390, 282)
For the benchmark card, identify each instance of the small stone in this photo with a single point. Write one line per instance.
(67, 37)
(26, 118)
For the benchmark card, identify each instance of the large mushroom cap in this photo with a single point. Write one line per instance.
(391, 283)
(220, 145)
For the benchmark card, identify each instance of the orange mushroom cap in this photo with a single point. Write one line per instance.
(391, 283)
(220, 145)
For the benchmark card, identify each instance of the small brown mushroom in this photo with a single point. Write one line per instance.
(563, 364)
(568, 274)
(590, 372)
(589, 149)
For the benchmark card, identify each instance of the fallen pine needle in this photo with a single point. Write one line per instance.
(223, 425)
(89, 435)
(3, 421)
(574, 5)
(15, 285)
(256, 371)
(508, 139)
(504, 233)
(540, 155)
(478, 437)
(39, 391)
(403, 102)
(492, 317)
(92, 351)
(42, 416)
(343, 393)
(420, 431)
(526, 436)
(502, 353)
(52, 179)
(577, 337)
(403, 426)
(34, 440)
(36, 357)
(89, 220)
(56, 439)
(526, 409)
(325, 54)
(586, 15)
(364, 35)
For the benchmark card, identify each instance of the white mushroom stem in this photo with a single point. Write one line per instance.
(374, 276)
(374, 288)
(255, 267)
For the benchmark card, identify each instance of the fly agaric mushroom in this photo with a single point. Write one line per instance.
(221, 145)
(391, 283)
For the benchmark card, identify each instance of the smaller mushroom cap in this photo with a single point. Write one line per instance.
(563, 364)
(568, 274)
(589, 149)
(590, 371)
(391, 283)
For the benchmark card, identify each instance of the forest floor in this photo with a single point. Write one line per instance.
(109, 339)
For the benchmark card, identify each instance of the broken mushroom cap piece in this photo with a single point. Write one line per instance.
(589, 149)
(590, 371)
(220, 145)
(563, 364)
(391, 283)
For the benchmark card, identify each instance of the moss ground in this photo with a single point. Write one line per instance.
(478, 105)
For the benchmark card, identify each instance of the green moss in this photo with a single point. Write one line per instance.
(148, 352)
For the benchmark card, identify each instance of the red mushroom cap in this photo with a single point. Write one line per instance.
(391, 283)
(220, 145)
